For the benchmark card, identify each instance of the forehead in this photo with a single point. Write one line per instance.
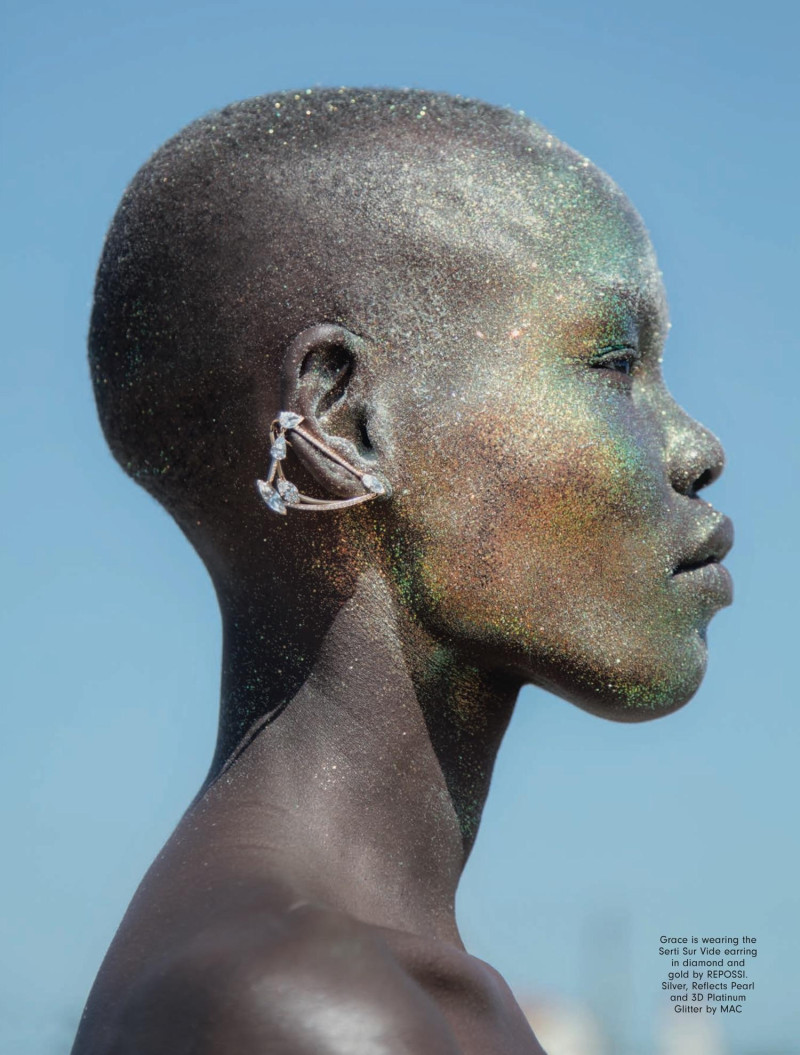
(527, 217)
(570, 232)
(428, 230)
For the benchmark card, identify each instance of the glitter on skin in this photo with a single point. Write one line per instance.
(525, 475)
(499, 322)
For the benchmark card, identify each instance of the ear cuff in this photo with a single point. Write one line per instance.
(280, 494)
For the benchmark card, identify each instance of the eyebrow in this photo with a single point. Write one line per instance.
(641, 304)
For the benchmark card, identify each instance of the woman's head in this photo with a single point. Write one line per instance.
(458, 302)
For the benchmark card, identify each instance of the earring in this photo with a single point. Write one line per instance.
(279, 494)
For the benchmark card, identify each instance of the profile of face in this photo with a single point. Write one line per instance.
(550, 481)
(545, 520)
(452, 302)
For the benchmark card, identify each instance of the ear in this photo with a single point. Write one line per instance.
(325, 377)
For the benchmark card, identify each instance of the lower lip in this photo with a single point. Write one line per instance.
(713, 579)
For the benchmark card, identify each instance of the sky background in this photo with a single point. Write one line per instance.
(598, 838)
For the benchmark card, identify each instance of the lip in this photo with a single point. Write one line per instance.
(702, 565)
(710, 549)
(712, 579)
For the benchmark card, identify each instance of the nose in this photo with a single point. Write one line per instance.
(695, 457)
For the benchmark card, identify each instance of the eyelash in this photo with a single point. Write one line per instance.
(628, 356)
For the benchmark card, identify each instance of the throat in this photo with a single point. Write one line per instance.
(366, 788)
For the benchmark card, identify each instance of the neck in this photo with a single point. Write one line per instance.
(366, 788)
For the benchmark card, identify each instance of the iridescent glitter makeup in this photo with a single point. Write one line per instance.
(513, 320)
(468, 320)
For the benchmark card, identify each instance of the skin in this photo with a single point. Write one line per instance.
(543, 526)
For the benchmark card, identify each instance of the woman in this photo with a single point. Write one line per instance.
(392, 361)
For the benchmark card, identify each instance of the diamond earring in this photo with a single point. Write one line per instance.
(279, 494)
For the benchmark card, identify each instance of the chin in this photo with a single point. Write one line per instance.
(657, 685)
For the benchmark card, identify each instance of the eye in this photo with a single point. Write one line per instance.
(621, 360)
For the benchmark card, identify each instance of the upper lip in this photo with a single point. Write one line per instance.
(710, 549)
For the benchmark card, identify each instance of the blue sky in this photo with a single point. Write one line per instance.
(110, 632)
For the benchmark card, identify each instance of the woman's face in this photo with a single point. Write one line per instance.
(550, 481)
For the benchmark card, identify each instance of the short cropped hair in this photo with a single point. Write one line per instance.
(274, 214)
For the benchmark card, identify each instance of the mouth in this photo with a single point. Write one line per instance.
(702, 565)
(711, 549)
(695, 565)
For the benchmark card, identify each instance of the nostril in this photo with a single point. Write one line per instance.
(703, 480)
(694, 455)
(695, 473)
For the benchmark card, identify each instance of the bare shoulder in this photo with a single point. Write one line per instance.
(474, 998)
(308, 981)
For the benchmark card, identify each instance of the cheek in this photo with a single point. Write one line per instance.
(589, 502)
(519, 513)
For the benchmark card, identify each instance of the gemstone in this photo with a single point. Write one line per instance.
(288, 492)
(287, 419)
(271, 497)
(278, 448)
(372, 483)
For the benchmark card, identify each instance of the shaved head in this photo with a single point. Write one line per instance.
(396, 214)
(392, 360)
